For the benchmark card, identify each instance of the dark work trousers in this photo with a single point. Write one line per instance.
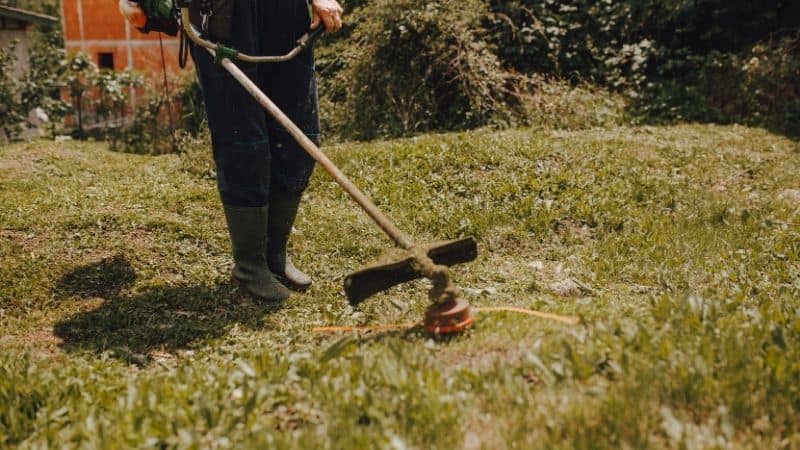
(253, 154)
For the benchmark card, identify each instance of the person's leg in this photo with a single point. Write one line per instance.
(241, 148)
(292, 86)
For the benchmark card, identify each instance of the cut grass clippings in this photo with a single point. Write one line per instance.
(677, 247)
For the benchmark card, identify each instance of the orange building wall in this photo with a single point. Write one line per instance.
(95, 26)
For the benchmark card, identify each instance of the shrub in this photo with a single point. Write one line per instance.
(112, 99)
(757, 86)
(48, 68)
(674, 60)
(11, 108)
(195, 153)
(158, 125)
(410, 66)
(552, 103)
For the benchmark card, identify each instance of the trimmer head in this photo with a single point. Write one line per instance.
(448, 318)
(382, 275)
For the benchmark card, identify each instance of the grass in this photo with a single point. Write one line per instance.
(119, 327)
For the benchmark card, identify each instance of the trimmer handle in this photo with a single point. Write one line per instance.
(309, 38)
(221, 52)
(316, 33)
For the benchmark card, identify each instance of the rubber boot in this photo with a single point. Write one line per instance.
(246, 228)
(283, 211)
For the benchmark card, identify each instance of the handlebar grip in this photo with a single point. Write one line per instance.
(311, 36)
(316, 33)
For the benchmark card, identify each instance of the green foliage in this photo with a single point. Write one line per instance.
(78, 78)
(154, 121)
(149, 130)
(411, 66)
(675, 60)
(402, 68)
(43, 6)
(576, 39)
(188, 100)
(110, 101)
(101, 96)
(550, 103)
(757, 86)
(12, 111)
(48, 67)
(40, 86)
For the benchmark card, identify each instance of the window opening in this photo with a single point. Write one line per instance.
(105, 60)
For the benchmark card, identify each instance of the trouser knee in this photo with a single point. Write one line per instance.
(243, 172)
(291, 165)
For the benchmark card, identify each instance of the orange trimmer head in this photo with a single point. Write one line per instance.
(451, 317)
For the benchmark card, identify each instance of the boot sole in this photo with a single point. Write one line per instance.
(242, 287)
(292, 286)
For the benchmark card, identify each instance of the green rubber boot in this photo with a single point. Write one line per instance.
(283, 211)
(246, 228)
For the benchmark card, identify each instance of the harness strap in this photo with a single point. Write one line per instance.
(206, 11)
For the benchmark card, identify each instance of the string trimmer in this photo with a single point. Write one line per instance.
(449, 312)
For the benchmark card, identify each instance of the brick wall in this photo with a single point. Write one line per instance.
(97, 28)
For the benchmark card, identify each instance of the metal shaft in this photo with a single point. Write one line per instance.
(399, 237)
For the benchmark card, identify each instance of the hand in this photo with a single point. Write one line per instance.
(133, 13)
(329, 12)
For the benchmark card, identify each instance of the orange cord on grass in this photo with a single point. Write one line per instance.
(367, 328)
(568, 320)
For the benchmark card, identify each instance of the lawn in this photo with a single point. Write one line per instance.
(677, 247)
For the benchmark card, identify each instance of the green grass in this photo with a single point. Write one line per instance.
(119, 327)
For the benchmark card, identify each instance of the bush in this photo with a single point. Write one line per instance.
(674, 60)
(196, 155)
(48, 67)
(552, 103)
(409, 66)
(159, 125)
(40, 87)
(757, 87)
(577, 40)
(11, 108)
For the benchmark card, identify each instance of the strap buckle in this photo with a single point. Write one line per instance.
(206, 11)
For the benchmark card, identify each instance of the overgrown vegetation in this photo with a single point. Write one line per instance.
(678, 60)
(120, 327)
(405, 67)
(413, 66)
(410, 66)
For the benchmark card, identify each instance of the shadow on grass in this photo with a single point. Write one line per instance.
(164, 319)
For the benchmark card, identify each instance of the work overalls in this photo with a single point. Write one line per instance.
(261, 171)
(252, 152)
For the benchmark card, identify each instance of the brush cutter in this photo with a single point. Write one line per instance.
(449, 312)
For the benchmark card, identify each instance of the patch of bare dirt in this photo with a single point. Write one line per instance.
(27, 240)
(33, 158)
(18, 169)
(480, 431)
(40, 342)
(791, 196)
